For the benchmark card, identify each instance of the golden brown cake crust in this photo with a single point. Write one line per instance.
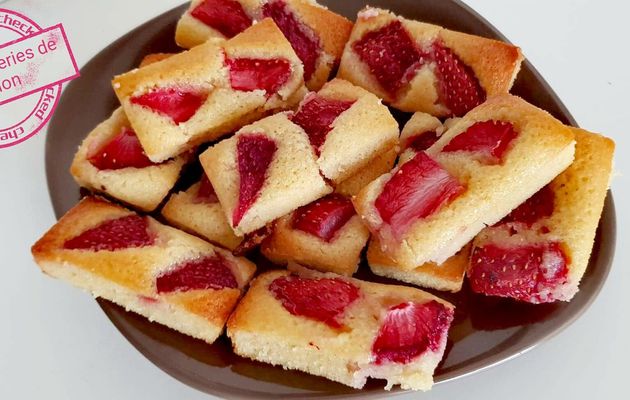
(262, 329)
(446, 276)
(340, 256)
(494, 63)
(543, 148)
(198, 313)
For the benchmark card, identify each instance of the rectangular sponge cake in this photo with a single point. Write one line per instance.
(144, 266)
(339, 328)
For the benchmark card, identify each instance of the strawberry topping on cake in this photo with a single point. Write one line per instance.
(527, 273)
(247, 74)
(409, 330)
(176, 103)
(123, 151)
(209, 272)
(225, 16)
(537, 207)
(322, 299)
(323, 218)
(490, 140)
(391, 54)
(458, 86)
(254, 154)
(418, 189)
(117, 234)
(421, 141)
(302, 38)
(316, 116)
(206, 193)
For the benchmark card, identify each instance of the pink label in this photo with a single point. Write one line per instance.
(34, 62)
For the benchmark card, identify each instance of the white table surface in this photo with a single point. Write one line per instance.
(55, 342)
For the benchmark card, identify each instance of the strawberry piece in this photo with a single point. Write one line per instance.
(324, 217)
(206, 193)
(458, 86)
(419, 188)
(527, 273)
(123, 151)
(421, 141)
(225, 16)
(121, 233)
(254, 153)
(316, 116)
(391, 54)
(209, 272)
(177, 104)
(537, 207)
(247, 74)
(303, 39)
(409, 330)
(323, 299)
(488, 139)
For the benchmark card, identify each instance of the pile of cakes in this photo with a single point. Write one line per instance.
(286, 106)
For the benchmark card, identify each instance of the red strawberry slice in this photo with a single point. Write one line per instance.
(209, 272)
(316, 116)
(247, 74)
(391, 54)
(254, 153)
(178, 104)
(123, 151)
(225, 16)
(419, 188)
(537, 207)
(324, 217)
(421, 141)
(409, 330)
(458, 86)
(121, 233)
(323, 299)
(488, 139)
(303, 39)
(527, 273)
(206, 193)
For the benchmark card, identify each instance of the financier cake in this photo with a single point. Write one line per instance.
(208, 91)
(539, 252)
(326, 235)
(197, 210)
(416, 66)
(317, 34)
(112, 161)
(164, 274)
(266, 170)
(483, 167)
(342, 329)
(347, 127)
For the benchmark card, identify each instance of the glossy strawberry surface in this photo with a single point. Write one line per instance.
(303, 39)
(316, 116)
(409, 330)
(528, 273)
(117, 234)
(488, 140)
(226, 16)
(321, 299)
(418, 189)
(179, 104)
(208, 272)
(247, 74)
(122, 151)
(254, 153)
(324, 217)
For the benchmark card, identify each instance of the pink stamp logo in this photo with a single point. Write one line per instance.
(34, 63)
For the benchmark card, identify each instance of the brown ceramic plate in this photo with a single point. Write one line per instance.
(486, 332)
